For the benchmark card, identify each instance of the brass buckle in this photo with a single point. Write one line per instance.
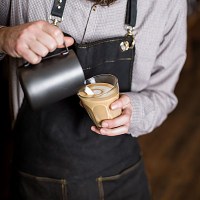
(55, 20)
(125, 45)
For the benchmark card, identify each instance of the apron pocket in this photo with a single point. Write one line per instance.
(130, 184)
(41, 188)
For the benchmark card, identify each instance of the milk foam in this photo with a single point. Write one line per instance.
(99, 89)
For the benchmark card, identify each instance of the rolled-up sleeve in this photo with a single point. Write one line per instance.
(152, 104)
(4, 16)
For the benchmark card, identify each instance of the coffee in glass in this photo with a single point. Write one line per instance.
(97, 95)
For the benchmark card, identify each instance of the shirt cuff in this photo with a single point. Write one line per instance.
(136, 113)
(139, 125)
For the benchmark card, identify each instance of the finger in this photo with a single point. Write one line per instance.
(25, 52)
(122, 102)
(48, 41)
(124, 118)
(15, 54)
(39, 48)
(30, 56)
(55, 32)
(68, 41)
(115, 131)
(95, 129)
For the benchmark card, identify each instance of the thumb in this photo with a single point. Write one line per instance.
(122, 102)
(68, 41)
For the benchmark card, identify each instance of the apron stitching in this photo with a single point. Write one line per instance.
(127, 171)
(64, 190)
(84, 46)
(46, 179)
(107, 61)
(100, 187)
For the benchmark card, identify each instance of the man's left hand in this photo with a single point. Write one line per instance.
(119, 125)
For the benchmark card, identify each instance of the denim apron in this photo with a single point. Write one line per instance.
(58, 157)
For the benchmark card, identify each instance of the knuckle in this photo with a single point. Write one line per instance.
(31, 28)
(116, 123)
(40, 23)
(119, 103)
(57, 32)
(126, 99)
(19, 48)
(44, 53)
(113, 124)
(36, 60)
(58, 36)
(127, 111)
(52, 46)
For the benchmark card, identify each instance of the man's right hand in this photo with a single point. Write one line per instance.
(33, 40)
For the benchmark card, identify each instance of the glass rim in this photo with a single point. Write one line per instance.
(98, 95)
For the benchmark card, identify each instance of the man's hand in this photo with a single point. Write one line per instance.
(33, 40)
(119, 125)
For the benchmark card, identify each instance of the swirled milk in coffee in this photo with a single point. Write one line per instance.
(98, 101)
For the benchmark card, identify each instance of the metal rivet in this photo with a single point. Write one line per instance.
(124, 46)
(94, 8)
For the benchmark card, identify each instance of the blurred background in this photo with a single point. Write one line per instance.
(171, 153)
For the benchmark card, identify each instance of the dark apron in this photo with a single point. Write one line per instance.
(57, 154)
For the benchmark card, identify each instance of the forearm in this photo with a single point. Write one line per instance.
(152, 104)
(150, 109)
